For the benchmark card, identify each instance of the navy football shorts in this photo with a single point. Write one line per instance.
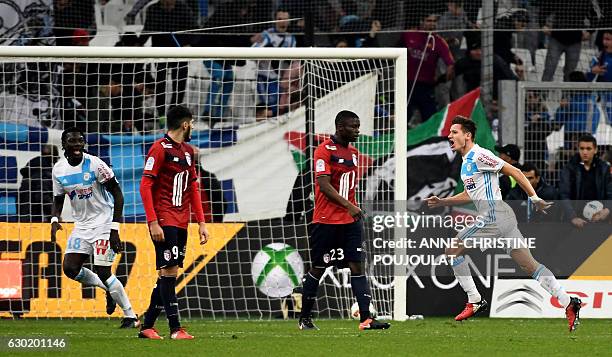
(336, 244)
(171, 251)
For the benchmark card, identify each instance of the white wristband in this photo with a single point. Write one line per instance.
(54, 220)
(535, 199)
(114, 226)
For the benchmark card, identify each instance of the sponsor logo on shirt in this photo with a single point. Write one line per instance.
(487, 160)
(103, 172)
(150, 163)
(320, 167)
(469, 183)
(81, 193)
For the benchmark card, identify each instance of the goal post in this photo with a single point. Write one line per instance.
(252, 155)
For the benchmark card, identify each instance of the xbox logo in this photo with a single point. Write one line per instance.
(277, 269)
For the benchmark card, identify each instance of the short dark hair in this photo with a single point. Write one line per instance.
(604, 31)
(528, 166)
(72, 129)
(176, 116)
(587, 138)
(343, 115)
(467, 124)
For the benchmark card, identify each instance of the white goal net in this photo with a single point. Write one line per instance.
(258, 113)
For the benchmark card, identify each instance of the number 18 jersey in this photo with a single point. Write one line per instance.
(172, 166)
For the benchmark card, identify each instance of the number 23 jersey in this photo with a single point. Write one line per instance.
(172, 166)
(340, 163)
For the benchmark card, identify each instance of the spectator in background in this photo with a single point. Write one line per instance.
(425, 49)
(216, 107)
(127, 86)
(600, 64)
(603, 22)
(508, 23)
(577, 112)
(170, 16)
(364, 32)
(556, 16)
(600, 73)
(519, 200)
(511, 154)
(585, 177)
(70, 15)
(36, 190)
(454, 19)
(538, 125)
(269, 72)
(468, 68)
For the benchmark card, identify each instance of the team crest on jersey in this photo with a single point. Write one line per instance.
(188, 158)
(320, 165)
(166, 146)
(167, 255)
(355, 159)
(326, 258)
(86, 176)
(330, 147)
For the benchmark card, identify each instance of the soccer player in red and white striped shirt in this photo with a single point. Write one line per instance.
(169, 190)
(336, 231)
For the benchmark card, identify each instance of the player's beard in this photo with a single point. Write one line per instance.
(187, 135)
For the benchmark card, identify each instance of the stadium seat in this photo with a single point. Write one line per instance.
(530, 70)
(132, 201)
(127, 160)
(8, 169)
(586, 56)
(541, 61)
(8, 203)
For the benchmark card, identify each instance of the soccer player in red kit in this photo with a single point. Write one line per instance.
(336, 230)
(169, 187)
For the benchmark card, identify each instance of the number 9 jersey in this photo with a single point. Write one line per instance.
(172, 167)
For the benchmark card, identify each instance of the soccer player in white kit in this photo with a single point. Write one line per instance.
(97, 207)
(479, 175)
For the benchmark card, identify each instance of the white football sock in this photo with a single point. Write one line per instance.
(548, 281)
(464, 276)
(88, 277)
(115, 288)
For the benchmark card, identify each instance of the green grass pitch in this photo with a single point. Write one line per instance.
(432, 336)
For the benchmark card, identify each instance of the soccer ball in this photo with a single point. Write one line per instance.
(277, 269)
(355, 311)
(591, 208)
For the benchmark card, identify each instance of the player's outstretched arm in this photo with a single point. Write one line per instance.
(56, 213)
(330, 192)
(522, 181)
(458, 199)
(112, 186)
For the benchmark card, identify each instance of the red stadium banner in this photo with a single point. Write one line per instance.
(10, 279)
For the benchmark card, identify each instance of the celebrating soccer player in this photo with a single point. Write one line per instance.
(479, 175)
(88, 181)
(168, 188)
(336, 231)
